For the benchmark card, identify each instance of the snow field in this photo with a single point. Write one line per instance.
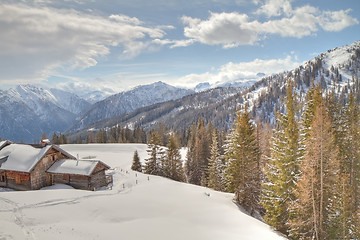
(138, 206)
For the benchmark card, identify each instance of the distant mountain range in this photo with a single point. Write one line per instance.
(337, 70)
(126, 102)
(28, 111)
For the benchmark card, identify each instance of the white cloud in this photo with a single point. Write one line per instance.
(126, 19)
(240, 71)
(275, 8)
(34, 41)
(228, 29)
(174, 43)
(336, 21)
(234, 29)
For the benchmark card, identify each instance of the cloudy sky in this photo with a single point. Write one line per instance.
(120, 44)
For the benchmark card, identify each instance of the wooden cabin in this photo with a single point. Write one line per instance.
(31, 167)
(81, 174)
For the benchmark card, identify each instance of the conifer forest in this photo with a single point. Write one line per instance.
(301, 177)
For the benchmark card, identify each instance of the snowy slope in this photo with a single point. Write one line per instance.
(28, 111)
(135, 208)
(69, 101)
(126, 102)
(238, 83)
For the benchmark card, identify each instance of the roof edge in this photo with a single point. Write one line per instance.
(56, 148)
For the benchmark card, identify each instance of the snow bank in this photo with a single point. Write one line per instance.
(138, 206)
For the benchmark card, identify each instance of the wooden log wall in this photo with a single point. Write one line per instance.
(38, 175)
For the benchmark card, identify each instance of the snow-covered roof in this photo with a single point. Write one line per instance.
(23, 158)
(71, 166)
(4, 143)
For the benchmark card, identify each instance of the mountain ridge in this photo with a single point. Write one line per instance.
(336, 70)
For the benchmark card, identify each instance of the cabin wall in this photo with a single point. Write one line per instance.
(60, 179)
(15, 180)
(2, 179)
(39, 178)
(76, 181)
(80, 182)
(98, 180)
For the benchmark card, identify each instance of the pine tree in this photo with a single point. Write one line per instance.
(55, 139)
(313, 99)
(62, 139)
(317, 185)
(215, 167)
(136, 165)
(79, 140)
(350, 166)
(173, 165)
(282, 168)
(243, 158)
(156, 152)
(101, 136)
(198, 154)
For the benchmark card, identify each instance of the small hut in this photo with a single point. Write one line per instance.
(80, 174)
(31, 167)
(22, 166)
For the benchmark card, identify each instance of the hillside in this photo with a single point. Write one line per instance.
(128, 101)
(337, 70)
(26, 112)
(157, 208)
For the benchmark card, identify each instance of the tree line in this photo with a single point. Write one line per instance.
(303, 176)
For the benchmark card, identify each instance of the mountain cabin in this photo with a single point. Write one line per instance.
(31, 167)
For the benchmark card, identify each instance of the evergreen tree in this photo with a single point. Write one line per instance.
(317, 186)
(173, 165)
(136, 165)
(113, 135)
(282, 169)
(215, 168)
(79, 140)
(101, 136)
(55, 139)
(313, 99)
(62, 139)
(350, 166)
(153, 163)
(90, 137)
(243, 158)
(198, 154)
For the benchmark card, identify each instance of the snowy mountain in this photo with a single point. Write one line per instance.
(87, 91)
(126, 102)
(138, 206)
(69, 101)
(238, 83)
(336, 70)
(28, 111)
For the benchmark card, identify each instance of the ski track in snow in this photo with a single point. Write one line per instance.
(78, 214)
(19, 218)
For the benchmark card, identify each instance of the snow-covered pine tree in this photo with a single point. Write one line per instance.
(282, 168)
(172, 164)
(198, 153)
(313, 99)
(243, 159)
(350, 166)
(136, 165)
(317, 186)
(156, 152)
(215, 168)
